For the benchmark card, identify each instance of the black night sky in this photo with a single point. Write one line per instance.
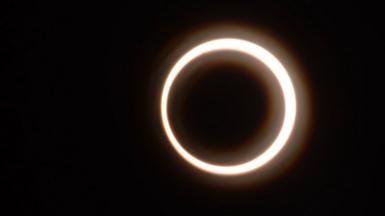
(80, 125)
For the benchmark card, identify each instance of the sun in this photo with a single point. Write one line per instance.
(243, 47)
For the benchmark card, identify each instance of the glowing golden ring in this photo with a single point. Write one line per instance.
(254, 50)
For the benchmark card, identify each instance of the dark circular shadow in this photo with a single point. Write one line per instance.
(219, 107)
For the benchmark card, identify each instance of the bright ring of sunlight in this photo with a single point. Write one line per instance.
(286, 85)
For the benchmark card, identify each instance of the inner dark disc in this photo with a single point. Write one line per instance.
(218, 109)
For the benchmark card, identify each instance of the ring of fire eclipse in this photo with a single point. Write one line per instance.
(279, 72)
